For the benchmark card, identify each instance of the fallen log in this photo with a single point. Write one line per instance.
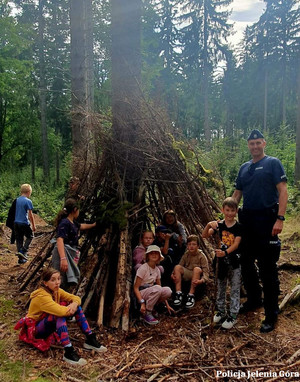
(291, 297)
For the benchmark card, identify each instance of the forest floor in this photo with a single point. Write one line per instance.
(182, 347)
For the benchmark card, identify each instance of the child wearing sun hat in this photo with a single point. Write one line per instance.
(147, 285)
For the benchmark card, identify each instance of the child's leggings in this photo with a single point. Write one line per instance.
(155, 294)
(51, 324)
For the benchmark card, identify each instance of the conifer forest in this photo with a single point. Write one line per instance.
(59, 66)
(147, 105)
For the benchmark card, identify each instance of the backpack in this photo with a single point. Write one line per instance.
(11, 220)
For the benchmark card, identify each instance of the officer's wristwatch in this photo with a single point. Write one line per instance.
(280, 217)
(142, 301)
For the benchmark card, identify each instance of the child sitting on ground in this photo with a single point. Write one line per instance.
(147, 286)
(193, 267)
(47, 315)
(23, 218)
(139, 252)
(228, 262)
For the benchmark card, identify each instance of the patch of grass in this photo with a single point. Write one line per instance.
(296, 282)
(12, 371)
(5, 306)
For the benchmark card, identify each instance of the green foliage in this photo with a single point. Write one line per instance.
(47, 198)
(224, 159)
(113, 212)
(294, 201)
(282, 144)
(227, 155)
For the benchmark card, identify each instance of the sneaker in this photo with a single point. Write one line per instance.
(71, 319)
(268, 325)
(22, 261)
(178, 299)
(218, 317)
(149, 319)
(91, 343)
(72, 357)
(229, 322)
(22, 255)
(190, 302)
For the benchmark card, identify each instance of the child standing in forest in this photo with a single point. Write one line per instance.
(48, 309)
(23, 218)
(228, 262)
(65, 255)
(147, 285)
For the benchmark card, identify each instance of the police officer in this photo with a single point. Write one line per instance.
(262, 184)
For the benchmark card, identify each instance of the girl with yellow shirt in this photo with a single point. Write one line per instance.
(49, 307)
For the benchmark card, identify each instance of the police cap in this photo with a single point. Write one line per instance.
(255, 134)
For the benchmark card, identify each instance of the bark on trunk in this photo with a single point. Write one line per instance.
(43, 92)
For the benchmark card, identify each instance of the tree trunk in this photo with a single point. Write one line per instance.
(265, 99)
(42, 92)
(297, 164)
(207, 131)
(78, 87)
(126, 93)
(89, 55)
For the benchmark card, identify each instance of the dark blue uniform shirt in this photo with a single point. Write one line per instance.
(258, 182)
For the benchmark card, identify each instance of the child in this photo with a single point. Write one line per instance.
(65, 255)
(73, 187)
(147, 286)
(193, 267)
(139, 252)
(47, 315)
(23, 218)
(228, 257)
(178, 230)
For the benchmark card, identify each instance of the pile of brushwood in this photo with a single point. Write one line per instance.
(128, 184)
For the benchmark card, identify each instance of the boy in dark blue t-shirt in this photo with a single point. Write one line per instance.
(228, 257)
(23, 218)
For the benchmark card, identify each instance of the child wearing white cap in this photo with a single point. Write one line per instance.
(147, 285)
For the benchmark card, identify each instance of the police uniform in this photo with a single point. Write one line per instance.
(257, 182)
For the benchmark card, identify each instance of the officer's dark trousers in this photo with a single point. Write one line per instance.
(260, 253)
(267, 257)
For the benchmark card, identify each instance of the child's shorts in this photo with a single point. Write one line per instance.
(187, 274)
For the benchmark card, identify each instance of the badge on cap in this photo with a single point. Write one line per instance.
(255, 134)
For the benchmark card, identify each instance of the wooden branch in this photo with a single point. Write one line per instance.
(290, 266)
(102, 299)
(35, 266)
(139, 345)
(235, 349)
(293, 357)
(92, 290)
(126, 366)
(126, 307)
(288, 367)
(118, 303)
(161, 365)
(290, 297)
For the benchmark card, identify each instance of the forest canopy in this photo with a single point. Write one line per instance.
(212, 92)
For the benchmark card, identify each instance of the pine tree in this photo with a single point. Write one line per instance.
(203, 46)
